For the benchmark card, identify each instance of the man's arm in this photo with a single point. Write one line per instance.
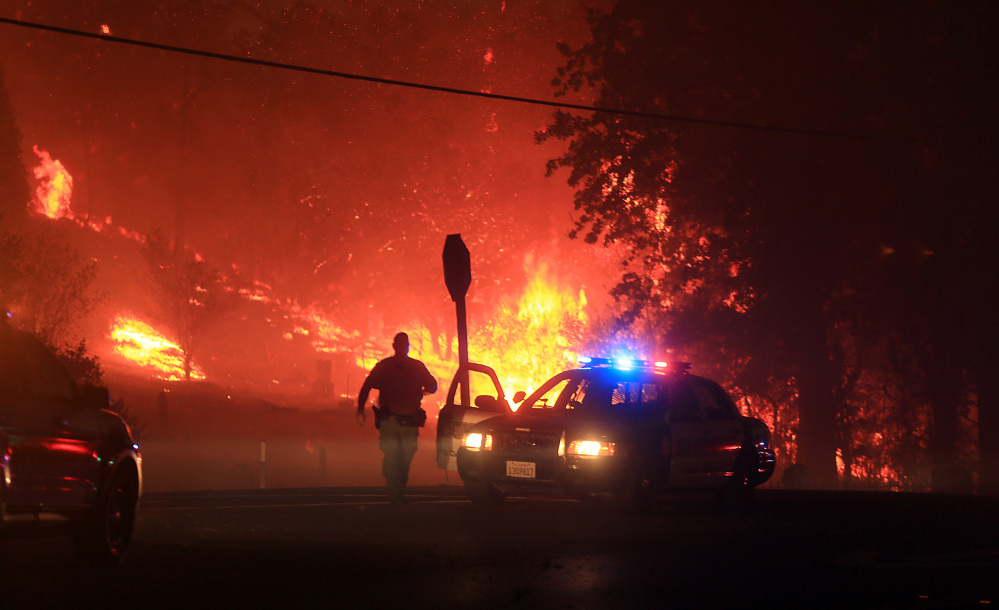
(362, 399)
(429, 381)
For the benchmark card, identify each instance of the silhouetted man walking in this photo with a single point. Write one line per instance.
(401, 382)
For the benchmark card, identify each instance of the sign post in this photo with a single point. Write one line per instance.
(458, 277)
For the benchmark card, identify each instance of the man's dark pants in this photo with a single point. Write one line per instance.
(398, 443)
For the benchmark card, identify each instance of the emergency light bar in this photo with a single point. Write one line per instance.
(626, 363)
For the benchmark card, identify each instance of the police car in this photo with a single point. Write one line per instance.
(635, 429)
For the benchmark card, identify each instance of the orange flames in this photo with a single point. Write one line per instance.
(141, 344)
(54, 192)
(526, 341)
(325, 335)
(55, 186)
(529, 341)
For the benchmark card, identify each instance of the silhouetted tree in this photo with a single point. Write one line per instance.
(190, 295)
(14, 192)
(764, 244)
(49, 285)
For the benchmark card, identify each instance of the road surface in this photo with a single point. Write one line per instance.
(347, 547)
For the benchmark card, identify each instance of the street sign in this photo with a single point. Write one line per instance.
(458, 277)
(457, 267)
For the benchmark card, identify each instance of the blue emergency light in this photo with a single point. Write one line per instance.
(627, 363)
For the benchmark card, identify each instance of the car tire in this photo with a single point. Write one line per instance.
(738, 493)
(107, 531)
(639, 490)
(484, 493)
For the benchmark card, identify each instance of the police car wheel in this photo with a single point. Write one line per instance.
(484, 493)
(738, 493)
(638, 492)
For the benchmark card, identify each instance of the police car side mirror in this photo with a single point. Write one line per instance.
(485, 401)
(519, 396)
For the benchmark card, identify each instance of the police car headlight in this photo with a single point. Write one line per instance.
(592, 448)
(476, 440)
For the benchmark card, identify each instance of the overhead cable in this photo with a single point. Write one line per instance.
(443, 89)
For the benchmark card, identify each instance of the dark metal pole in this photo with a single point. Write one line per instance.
(459, 306)
(458, 276)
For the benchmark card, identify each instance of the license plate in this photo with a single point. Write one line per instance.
(520, 470)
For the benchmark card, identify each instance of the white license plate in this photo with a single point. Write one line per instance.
(520, 470)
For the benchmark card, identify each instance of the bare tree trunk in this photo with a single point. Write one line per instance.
(817, 380)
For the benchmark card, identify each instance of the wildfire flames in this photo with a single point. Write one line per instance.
(527, 340)
(138, 342)
(53, 194)
(55, 186)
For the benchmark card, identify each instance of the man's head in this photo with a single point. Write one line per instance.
(401, 344)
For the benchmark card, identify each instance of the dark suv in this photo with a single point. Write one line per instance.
(67, 463)
(634, 429)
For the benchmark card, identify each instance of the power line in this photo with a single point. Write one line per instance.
(442, 89)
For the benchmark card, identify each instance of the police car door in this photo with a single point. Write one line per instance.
(723, 430)
(704, 438)
(455, 417)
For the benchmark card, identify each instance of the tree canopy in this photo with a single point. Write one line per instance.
(784, 250)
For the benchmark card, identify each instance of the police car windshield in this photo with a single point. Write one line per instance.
(597, 392)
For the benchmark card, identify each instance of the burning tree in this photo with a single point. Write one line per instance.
(190, 295)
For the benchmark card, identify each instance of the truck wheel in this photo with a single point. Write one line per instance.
(108, 529)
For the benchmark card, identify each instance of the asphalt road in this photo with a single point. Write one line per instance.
(346, 547)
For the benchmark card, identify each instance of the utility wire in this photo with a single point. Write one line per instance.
(451, 90)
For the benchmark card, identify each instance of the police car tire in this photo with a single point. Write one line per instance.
(638, 492)
(484, 493)
(739, 492)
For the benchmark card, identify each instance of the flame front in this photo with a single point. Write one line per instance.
(528, 342)
(55, 187)
(141, 344)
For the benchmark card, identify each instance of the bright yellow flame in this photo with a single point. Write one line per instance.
(140, 343)
(526, 341)
(530, 341)
(55, 186)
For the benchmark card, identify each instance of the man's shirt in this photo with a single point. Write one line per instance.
(401, 382)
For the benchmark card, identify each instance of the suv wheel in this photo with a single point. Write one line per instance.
(108, 530)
